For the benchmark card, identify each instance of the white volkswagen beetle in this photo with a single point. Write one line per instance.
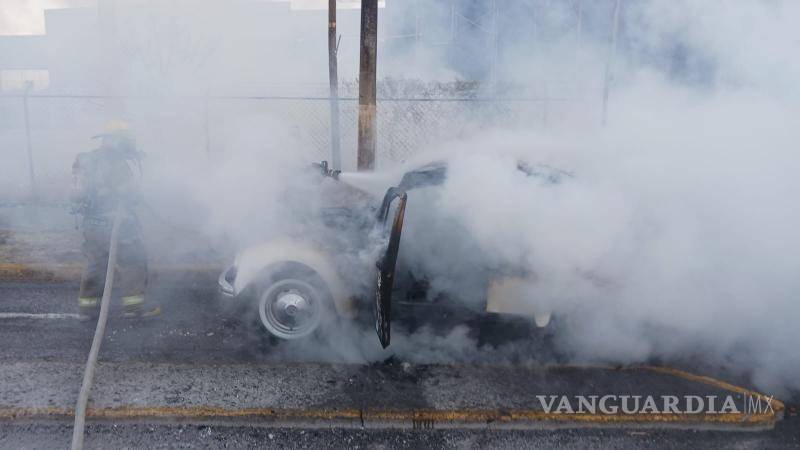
(296, 285)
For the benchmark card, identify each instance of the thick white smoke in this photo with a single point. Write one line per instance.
(673, 239)
(676, 238)
(656, 248)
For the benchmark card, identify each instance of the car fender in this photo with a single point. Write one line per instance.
(251, 263)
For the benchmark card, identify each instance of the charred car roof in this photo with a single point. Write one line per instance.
(435, 173)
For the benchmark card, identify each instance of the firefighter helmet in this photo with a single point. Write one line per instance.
(118, 136)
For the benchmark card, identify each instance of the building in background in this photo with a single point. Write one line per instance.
(210, 77)
(155, 47)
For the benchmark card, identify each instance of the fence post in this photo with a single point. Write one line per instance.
(578, 22)
(610, 60)
(333, 78)
(493, 57)
(34, 190)
(545, 104)
(206, 125)
(367, 83)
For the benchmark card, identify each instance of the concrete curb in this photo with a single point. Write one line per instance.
(405, 419)
(357, 416)
(39, 273)
(72, 271)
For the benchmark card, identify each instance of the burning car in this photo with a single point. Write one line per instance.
(295, 286)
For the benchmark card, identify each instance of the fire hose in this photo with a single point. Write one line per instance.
(91, 363)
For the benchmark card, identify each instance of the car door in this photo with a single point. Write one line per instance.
(390, 215)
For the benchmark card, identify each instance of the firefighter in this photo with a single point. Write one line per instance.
(103, 179)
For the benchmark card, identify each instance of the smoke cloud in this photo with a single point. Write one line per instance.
(671, 236)
(675, 239)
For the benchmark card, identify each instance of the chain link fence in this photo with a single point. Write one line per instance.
(40, 133)
(408, 126)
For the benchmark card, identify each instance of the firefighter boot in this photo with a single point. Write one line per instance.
(135, 307)
(88, 308)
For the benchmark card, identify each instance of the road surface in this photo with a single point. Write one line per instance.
(197, 355)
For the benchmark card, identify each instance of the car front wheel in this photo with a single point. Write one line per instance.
(291, 308)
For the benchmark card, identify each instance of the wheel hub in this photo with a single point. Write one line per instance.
(290, 309)
(292, 303)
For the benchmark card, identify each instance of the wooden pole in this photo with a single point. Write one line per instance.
(367, 83)
(333, 77)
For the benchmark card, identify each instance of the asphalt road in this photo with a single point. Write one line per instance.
(196, 328)
(191, 436)
(195, 332)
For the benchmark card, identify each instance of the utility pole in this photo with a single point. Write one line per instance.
(333, 77)
(367, 83)
(608, 79)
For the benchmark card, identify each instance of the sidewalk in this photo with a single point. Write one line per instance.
(41, 244)
(32, 255)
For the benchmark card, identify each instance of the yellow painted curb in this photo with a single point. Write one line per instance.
(416, 418)
(185, 412)
(67, 272)
(777, 405)
(430, 418)
(35, 272)
(526, 415)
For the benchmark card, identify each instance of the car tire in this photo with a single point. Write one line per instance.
(290, 302)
